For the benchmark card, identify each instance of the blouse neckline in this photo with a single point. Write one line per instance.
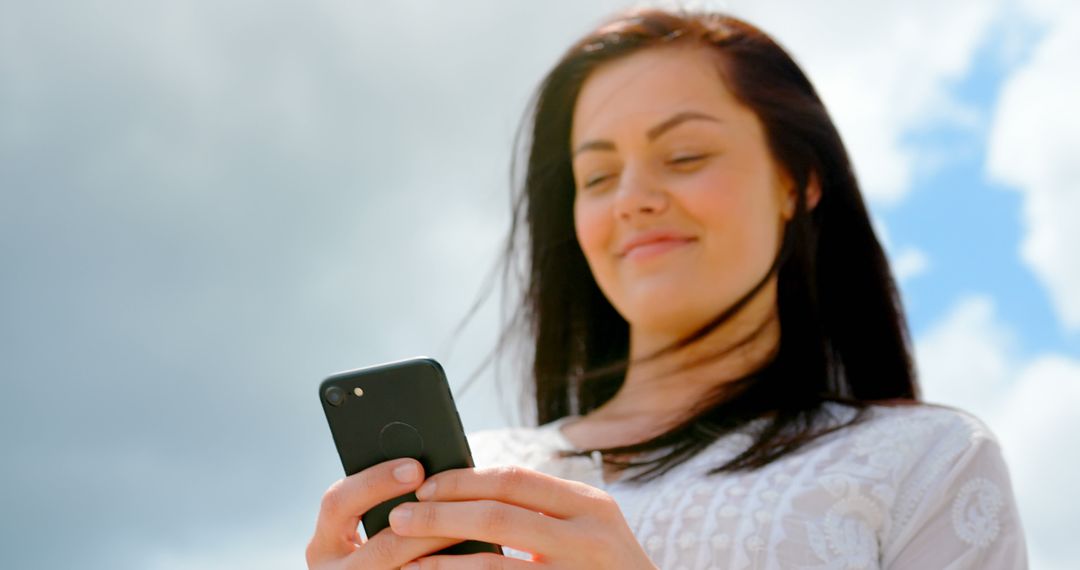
(555, 427)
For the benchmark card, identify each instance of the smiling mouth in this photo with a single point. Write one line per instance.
(655, 248)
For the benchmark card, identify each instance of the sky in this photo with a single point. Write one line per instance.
(206, 208)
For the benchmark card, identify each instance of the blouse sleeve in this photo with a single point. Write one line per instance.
(966, 519)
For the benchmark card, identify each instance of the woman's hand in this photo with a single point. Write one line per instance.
(564, 524)
(336, 544)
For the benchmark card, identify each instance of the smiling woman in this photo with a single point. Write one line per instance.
(721, 365)
(679, 207)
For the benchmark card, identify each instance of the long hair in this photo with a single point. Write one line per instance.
(843, 334)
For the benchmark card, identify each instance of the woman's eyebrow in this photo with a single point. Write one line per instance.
(652, 133)
(682, 117)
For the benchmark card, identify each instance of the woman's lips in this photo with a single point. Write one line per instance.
(655, 247)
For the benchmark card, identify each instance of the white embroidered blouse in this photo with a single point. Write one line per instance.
(916, 488)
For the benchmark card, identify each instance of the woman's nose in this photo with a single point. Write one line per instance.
(639, 194)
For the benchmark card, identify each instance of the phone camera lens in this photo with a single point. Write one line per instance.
(335, 396)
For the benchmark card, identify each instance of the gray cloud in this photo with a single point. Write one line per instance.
(207, 208)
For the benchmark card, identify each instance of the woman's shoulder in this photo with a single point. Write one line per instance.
(920, 426)
(931, 466)
(514, 445)
(911, 445)
(918, 479)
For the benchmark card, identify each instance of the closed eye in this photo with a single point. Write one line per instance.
(596, 180)
(688, 159)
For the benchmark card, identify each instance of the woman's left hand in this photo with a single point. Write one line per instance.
(563, 524)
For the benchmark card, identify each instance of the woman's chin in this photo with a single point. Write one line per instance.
(664, 317)
(670, 311)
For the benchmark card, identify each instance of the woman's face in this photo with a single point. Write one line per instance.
(679, 207)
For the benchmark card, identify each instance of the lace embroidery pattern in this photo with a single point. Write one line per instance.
(975, 512)
(684, 526)
(847, 538)
(864, 483)
(847, 502)
(947, 451)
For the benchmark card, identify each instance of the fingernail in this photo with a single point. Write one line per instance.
(400, 515)
(405, 473)
(411, 566)
(426, 491)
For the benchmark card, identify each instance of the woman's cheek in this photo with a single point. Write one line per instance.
(589, 224)
(594, 227)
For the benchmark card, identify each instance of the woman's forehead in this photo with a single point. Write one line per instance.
(649, 86)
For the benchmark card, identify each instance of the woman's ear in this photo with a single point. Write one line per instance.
(813, 191)
(813, 196)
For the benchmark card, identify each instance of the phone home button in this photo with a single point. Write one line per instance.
(399, 439)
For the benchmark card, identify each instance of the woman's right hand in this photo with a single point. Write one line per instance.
(337, 545)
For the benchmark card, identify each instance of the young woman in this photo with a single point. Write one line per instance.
(722, 369)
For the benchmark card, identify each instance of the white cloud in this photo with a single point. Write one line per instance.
(883, 69)
(910, 263)
(1038, 427)
(967, 358)
(1033, 148)
(970, 360)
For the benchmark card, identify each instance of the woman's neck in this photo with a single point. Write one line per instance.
(661, 389)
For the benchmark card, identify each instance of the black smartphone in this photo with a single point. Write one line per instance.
(394, 410)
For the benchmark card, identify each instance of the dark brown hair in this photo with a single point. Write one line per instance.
(843, 334)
